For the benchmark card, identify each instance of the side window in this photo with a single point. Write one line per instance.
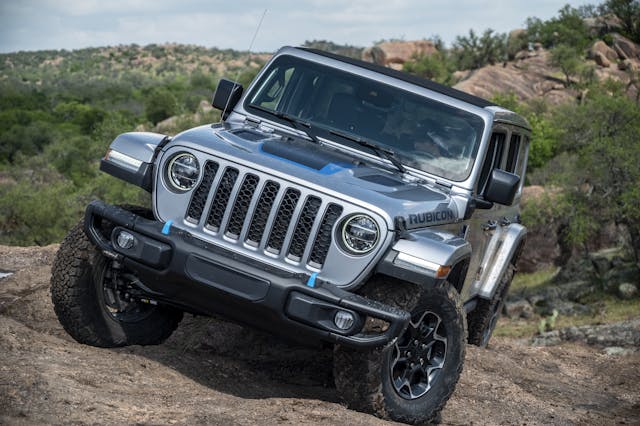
(521, 163)
(512, 155)
(493, 158)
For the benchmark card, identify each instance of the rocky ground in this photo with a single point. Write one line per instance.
(213, 372)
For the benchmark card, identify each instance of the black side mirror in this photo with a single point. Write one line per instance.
(501, 187)
(226, 96)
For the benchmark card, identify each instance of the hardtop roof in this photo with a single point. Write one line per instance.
(427, 84)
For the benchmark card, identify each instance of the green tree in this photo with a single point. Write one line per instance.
(544, 132)
(160, 104)
(570, 61)
(629, 13)
(602, 139)
(471, 52)
(566, 28)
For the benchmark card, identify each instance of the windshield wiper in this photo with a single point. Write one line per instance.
(294, 121)
(382, 152)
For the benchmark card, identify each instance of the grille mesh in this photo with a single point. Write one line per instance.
(303, 228)
(220, 201)
(261, 214)
(281, 223)
(323, 238)
(241, 206)
(199, 199)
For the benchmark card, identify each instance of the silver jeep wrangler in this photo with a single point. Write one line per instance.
(338, 202)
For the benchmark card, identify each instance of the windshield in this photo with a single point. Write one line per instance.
(421, 132)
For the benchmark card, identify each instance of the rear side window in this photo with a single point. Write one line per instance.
(493, 158)
(512, 155)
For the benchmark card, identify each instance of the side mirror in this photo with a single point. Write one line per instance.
(226, 96)
(501, 187)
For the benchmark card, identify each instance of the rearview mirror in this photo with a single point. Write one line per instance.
(501, 187)
(226, 96)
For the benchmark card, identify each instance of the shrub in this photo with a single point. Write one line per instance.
(434, 67)
(566, 28)
(471, 52)
(160, 104)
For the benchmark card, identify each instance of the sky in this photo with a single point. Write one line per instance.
(73, 24)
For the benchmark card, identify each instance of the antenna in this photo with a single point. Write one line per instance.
(235, 80)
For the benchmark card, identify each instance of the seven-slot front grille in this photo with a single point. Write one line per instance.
(278, 217)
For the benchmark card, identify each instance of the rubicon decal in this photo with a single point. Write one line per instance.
(430, 217)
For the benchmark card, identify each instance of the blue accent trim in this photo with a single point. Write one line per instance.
(328, 169)
(167, 227)
(311, 282)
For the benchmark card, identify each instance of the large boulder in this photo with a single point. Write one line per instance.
(602, 48)
(602, 25)
(601, 60)
(542, 249)
(628, 65)
(530, 77)
(396, 53)
(625, 48)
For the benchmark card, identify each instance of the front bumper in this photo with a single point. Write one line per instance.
(176, 268)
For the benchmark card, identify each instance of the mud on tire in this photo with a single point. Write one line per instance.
(369, 381)
(78, 276)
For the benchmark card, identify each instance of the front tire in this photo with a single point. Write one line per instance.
(411, 379)
(90, 305)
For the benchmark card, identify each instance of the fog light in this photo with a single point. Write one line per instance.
(125, 240)
(343, 320)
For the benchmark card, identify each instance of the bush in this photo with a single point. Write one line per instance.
(567, 28)
(602, 139)
(434, 67)
(629, 13)
(160, 104)
(544, 132)
(471, 52)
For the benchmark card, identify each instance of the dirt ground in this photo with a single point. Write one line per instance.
(213, 372)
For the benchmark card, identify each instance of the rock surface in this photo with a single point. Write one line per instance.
(602, 48)
(531, 76)
(625, 48)
(625, 334)
(627, 291)
(396, 53)
(216, 373)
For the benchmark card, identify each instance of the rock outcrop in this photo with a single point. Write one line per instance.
(395, 53)
(625, 48)
(529, 76)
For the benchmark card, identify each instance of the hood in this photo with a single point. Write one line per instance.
(403, 202)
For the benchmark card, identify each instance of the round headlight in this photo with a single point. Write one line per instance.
(360, 234)
(183, 171)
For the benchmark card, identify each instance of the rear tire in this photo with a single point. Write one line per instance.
(90, 308)
(411, 379)
(483, 319)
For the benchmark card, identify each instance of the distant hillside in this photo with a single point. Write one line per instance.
(107, 62)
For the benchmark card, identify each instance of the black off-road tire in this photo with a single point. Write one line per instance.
(363, 378)
(483, 319)
(78, 299)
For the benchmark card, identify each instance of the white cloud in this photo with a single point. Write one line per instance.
(54, 24)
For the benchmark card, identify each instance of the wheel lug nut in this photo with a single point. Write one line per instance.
(408, 354)
(421, 361)
(424, 346)
(415, 342)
